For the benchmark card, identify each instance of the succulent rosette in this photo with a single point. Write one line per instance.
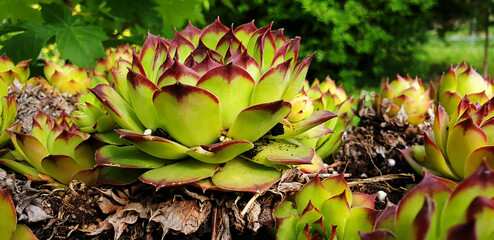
(326, 210)
(439, 209)
(90, 116)
(67, 78)
(55, 151)
(103, 67)
(327, 96)
(459, 82)
(409, 94)
(211, 106)
(9, 71)
(457, 144)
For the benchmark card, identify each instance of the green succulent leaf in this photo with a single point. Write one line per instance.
(179, 173)
(191, 115)
(463, 138)
(336, 185)
(297, 78)
(23, 232)
(386, 220)
(254, 122)
(220, 152)
(336, 211)
(126, 157)
(480, 183)
(436, 159)
(315, 119)
(24, 169)
(308, 217)
(272, 84)
(360, 220)
(477, 157)
(9, 216)
(435, 188)
(120, 176)
(116, 106)
(60, 167)
(273, 153)
(233, 87)
(286, 228)
(313, 191)
(233, 174)
(154, 146)
(141, 94)
(30, 148)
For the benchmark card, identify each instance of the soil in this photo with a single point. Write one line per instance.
(371, 149)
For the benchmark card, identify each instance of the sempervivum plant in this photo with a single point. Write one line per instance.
(326, 210)
(457, 143)
(327, 96)
(9, 71)
(439, 209)
(67, 78)
(459, 82)
(409, 94)
(210, 103)
(113, 55)
(55, 150)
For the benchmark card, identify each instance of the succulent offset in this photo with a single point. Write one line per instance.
(54, 151)
(457, 143)
(210, 103)
(439, 209)
(67, 78)
(326, 95)
(409, 94)
(9, 71)
(326, 210)
(459, 82)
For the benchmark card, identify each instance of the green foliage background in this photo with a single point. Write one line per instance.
(358, 42)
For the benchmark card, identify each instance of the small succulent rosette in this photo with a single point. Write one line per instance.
(209, 108)
(10, 72)
(439, 209)
(409, 94)
(459, 82)
(326, 95)
(67, 78)
(103, 67)
(457, 143)
(55, 151)
(326, 210)
(11, 230)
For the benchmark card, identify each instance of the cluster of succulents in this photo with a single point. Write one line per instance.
(230, 109)
(326, 210)
(326, 95)
(54, 151)
(439, 209)
(457, 143)
(459, 82)
(409, 94)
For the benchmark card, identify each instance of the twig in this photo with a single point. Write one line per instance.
(382, 178)
(249, 204)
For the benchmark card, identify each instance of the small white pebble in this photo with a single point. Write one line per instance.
(391, 162)
(148, 132)
(363, 175)
(381, 196)
(222, 138)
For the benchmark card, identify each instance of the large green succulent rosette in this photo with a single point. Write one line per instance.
(209, 108)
